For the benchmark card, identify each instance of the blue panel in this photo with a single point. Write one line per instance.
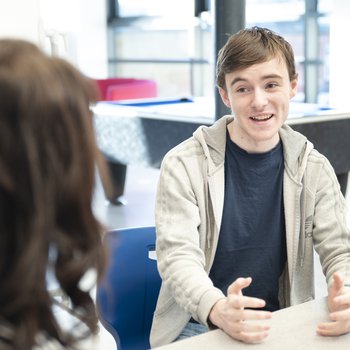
(127, 295)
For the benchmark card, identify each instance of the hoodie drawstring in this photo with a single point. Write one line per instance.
(206, 193)
(302, 238)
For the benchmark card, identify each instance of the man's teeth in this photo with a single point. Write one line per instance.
(262, 117)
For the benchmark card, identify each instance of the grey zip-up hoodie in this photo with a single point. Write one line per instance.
(189, 209)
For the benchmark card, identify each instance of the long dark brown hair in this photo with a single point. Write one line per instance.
(48, 157)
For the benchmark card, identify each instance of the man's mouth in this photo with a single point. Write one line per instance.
(261, 118)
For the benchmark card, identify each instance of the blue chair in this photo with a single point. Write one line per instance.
(127, 295)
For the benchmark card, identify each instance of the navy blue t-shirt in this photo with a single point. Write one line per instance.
(252, 235)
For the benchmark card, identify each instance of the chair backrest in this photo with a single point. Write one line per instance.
(127, 295)
(115, 89)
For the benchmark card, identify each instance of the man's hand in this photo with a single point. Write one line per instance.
(230, 314)
(339, 307)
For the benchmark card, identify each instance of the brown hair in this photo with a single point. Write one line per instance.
(47, 167)
(251, 46)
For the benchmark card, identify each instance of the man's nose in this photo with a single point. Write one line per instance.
(259, 98)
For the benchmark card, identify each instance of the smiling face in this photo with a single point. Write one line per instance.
(259, 99)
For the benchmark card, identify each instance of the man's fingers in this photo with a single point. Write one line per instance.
(338, 282)
(343, 299)
(241, 302)
(325, 331)
(251, 336)
(233, 314)
(251, 315)
(239, 284)
(343, 315)
(253, 327)
(332, 329)
(253, 331)
(242, 322)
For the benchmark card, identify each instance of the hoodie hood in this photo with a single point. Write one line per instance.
(299, 149)
(213, 142)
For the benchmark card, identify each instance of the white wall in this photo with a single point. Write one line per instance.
(20, 18)
(74, 29)
(82, 26)
(92, 55)
(339, 58)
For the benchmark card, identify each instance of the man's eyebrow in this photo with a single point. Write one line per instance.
(236, 80)
(272, 76)
(268, 76)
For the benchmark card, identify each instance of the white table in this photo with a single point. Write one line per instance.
(292, 328)
(143, 135)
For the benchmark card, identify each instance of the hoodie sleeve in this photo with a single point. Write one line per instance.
(331, 232)
(180, 229)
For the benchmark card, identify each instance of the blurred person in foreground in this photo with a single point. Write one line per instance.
(242, 204)
(51, 250)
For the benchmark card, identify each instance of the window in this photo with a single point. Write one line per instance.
(168, 44)
(307, 29)
(164, 40)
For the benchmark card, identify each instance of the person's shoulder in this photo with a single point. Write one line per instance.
(45, 344)
(316, 157)
(287, 132)
(101, 341)
(190, 147)
(205, 137)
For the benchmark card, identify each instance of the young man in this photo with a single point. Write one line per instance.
(242, 203)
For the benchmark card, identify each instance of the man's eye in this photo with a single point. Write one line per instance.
(271, 85)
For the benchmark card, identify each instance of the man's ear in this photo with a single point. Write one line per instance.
(293, 87)
(224, 97)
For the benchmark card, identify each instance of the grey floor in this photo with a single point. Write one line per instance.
(139, 196)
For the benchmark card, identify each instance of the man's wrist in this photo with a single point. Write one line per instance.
(213, 314)
(211, 325)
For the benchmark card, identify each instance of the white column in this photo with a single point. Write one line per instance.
(339, 57)
(78, 31)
